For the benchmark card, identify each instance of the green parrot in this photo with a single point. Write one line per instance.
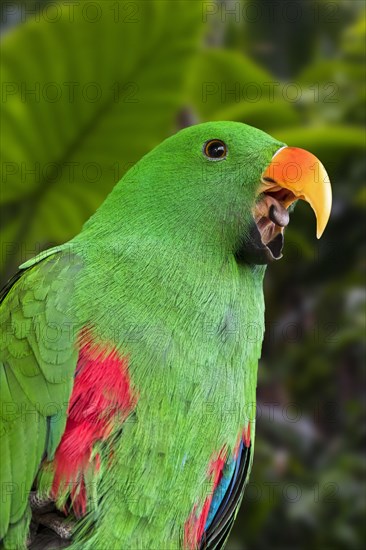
(129, 355)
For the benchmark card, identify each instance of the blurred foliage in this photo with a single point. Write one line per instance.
(107, 91)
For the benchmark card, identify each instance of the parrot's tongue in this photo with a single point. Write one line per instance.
(271, 216)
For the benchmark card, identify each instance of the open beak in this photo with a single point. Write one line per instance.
(292, 174)
(304, 177)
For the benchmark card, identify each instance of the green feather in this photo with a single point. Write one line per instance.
(36, 381)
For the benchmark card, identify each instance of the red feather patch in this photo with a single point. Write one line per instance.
(102, 396)
(244, 437)
(195, 526)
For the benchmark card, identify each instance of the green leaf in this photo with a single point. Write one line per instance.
(87, 90)
(333, 91)
(226, 85)
(353, 39)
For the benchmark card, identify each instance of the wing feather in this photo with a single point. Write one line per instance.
(37, 364)
(217, 533)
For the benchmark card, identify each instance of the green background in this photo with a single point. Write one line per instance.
(89, 87)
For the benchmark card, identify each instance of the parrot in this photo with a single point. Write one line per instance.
(129, 354)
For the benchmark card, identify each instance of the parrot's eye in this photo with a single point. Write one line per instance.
(215, 149)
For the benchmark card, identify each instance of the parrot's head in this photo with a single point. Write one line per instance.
(232, 184)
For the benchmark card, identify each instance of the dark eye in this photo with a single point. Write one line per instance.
(215, 149)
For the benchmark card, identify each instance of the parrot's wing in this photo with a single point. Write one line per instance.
(37, 363)
(218, 531)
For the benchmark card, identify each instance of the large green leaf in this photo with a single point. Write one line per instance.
(107, 90)
(226, 85)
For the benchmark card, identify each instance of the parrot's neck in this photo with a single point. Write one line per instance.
(185, 281)
(141, 210)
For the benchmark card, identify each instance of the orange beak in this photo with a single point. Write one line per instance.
(304, 176)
